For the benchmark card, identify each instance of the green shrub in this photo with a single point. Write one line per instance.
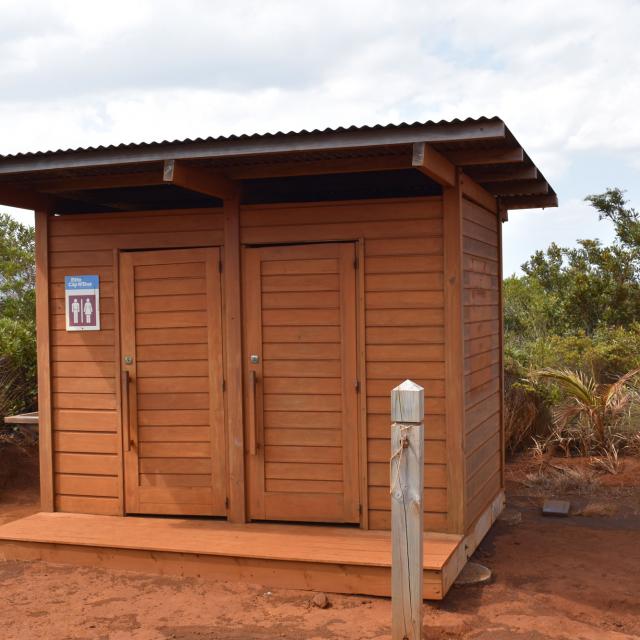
(17, 318)
(593, 418)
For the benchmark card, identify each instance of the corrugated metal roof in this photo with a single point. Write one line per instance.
(475, 144)
(252, 136)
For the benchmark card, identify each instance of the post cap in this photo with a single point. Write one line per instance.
(407, 402)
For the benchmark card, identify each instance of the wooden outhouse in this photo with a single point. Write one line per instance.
(220, 323)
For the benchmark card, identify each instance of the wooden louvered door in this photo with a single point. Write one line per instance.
(301, 385)
(171, 360)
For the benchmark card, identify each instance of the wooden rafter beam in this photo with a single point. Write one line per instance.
(198, 180)
(25, 199)
(518, 188)
(529, 202)
(499, 155)
(89, 183)
(276, 170)
(505, 173)
(318, 167)
(104, 204)
(434, 165)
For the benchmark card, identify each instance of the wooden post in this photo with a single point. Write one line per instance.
(454, 356)
(233, 355)
(47, 498)
(407, 516)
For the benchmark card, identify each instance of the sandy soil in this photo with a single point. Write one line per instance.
(573, 578)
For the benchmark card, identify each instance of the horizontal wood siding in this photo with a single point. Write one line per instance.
(85, 365)
(403, 333)
(482, 349)
(403, 319)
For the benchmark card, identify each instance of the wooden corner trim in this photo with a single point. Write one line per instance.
(43, 337)
(480, 527)
(454, 358)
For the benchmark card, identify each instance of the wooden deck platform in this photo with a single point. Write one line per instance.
(332, 559)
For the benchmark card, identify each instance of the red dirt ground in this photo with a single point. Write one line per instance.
(572, 578)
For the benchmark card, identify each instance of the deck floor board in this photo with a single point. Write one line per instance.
(333, 545)
(340, 559)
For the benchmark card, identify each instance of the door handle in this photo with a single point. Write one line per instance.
(126, 421)
(253, 428)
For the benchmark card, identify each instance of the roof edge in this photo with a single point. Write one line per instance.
(482, 129)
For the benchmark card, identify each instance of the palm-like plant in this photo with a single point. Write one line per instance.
(592, 415)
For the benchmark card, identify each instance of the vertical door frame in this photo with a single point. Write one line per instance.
(232, 346)
(215, 342)
(252, 320)
(117, 374)
(127, 340)
(361, 339)
(349, 369)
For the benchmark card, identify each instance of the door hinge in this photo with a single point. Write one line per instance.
(355, 262)
(359, 509)
(226, 503)
(224, 385)
(219, 266)
(357, 386)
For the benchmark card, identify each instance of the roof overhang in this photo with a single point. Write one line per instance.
(484, 149)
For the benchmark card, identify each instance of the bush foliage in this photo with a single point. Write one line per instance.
(574, 309)
(17, 317)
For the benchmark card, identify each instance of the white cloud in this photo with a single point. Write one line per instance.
(564, 76)
(24, 216)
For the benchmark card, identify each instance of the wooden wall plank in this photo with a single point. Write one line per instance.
(483, 357)
(402, 317)
(87, 464)
(85, 371)
(87, 504)
(401, 297)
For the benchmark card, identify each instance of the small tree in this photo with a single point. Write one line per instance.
(17, 317)
(592, 418)
(591, 284)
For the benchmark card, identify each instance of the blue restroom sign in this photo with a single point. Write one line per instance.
(82, 303)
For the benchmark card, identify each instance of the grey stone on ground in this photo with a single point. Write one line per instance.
(556, 508)
(510, 516)
(320, 600)
(473, 573)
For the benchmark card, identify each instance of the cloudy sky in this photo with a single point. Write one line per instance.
(565, 77)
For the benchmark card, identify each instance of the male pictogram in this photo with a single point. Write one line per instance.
(75, 309)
